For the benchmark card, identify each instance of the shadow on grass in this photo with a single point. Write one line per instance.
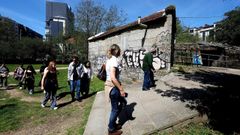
(7, 106)
(219, 100)
(62, 95)
(89, 95)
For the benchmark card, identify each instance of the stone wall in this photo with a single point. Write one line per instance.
(135, 43)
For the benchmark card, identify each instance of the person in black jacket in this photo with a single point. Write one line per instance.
(49, 84)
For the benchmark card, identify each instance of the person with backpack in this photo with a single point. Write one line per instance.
(86, 78)
(49, 84)
(29, 78)
(74, 78)
(18, 75)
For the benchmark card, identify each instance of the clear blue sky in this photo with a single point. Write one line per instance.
(31, 13)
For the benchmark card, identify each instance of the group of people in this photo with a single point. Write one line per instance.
(113, 88)
(79, 77)
(23, 76)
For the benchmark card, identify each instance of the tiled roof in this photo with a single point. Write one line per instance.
(143, 20)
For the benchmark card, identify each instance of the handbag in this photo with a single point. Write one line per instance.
(102, 74)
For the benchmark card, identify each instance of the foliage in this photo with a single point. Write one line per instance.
(228, 30)
(93, 18)
(183, 35)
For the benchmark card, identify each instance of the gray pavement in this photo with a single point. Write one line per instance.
(147, 111)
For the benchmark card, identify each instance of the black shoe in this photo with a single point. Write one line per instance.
(145, 89)
(154, 85)
(116, 132)
(79, 100)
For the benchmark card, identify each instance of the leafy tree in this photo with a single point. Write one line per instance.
(8, 38)
(228, 30)
(183, 35)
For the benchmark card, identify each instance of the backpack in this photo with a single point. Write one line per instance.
(102, 74)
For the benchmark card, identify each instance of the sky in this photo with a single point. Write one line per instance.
(192, 13)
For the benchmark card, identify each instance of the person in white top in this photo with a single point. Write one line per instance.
(114, 88)
(74, 78)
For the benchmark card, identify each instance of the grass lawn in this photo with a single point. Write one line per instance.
(12, 67)
(191, 129)
(16, 114)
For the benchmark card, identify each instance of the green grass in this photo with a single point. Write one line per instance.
(14, 113)
(192, 129)
(12, 67)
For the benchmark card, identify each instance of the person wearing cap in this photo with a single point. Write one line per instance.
(148, 69)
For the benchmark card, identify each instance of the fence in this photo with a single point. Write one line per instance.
(185, 57)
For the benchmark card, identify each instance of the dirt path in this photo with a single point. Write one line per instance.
(58, 124)
(14, 93)
(55, 125)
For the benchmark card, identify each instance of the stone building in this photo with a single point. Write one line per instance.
(135, 39)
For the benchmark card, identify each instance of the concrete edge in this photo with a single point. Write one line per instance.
(195, 118)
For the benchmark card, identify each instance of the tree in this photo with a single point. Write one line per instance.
(89, 17)
(228, 30)
(92, 18)
(114, 17)
(183, 35)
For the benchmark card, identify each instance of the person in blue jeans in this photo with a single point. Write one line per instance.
(49, 84)
(148, 69)
(114, 89)
(74, 78)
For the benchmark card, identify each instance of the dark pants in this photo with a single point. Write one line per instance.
(152, 81)
(30, 84)
(51, 90)
(85, 84)
(116, 104)
(146, 80)
(52, 96)
(3, 81)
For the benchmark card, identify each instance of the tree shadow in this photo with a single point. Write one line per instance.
(64, 104)
(38, 91)
(62, 95)
(7, 106)
(126, 113)
(88, 95)
(219, 100)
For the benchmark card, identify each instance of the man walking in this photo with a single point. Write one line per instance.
(74, 77)
(148, 69)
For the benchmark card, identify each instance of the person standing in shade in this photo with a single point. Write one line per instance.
(74, 78)
(114, 89)
(148, 69)
(49, 84)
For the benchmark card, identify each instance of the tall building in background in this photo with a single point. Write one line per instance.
(19, 30)
(59, 19)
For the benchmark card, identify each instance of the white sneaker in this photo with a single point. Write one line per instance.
(55, 108)
(20, 88)
(42, 105)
